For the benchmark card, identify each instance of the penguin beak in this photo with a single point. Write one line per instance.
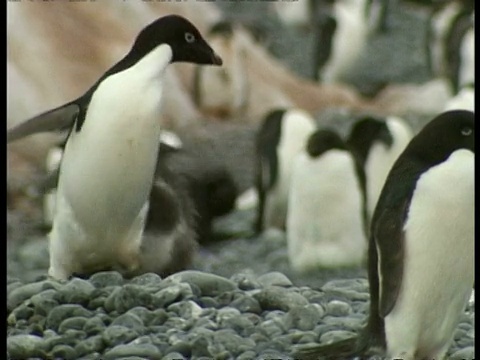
(216, 60)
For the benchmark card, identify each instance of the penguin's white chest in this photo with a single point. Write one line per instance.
(324, 221)
(107, 173)
(439, 261)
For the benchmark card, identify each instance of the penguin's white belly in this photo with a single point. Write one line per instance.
(324, 222)
(439, 261)
(105, 180)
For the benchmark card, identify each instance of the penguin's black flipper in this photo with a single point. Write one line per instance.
(341, 350)
(58, 119)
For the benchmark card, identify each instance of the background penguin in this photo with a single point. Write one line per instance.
(341, 32)
(421, 247)
(451, 42)
(377, 143)
(223, 92)
(108, 166)
(281, 137)
(325, 222)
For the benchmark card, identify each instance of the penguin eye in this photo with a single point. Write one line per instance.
(467, 131)
(189, 37)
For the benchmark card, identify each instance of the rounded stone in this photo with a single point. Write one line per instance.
(90, 345)
(130, 321)
(302, 317)
(93, 326)
(25, 346)
(76, 291)
(186, 309)
(200, 347)
(148, 279)
(106, 278)
(65, 352)
(45, 301)
(140, 350)
(173, 356)
(76, 323)
(127, 297)
(338, 308)
(24, 292)
(65, 311)
(115, 335)
(246, 304)
(274, 278)
(467, 353)
(209, 284)
(278, 298)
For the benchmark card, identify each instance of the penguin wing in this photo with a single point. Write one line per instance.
(58, 119)
(389, 239)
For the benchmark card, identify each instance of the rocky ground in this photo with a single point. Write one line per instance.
(245, 302)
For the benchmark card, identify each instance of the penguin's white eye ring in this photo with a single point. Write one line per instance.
(467, 131)
(189, 37)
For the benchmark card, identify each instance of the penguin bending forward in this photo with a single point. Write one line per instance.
(107, 170)
(421, 247)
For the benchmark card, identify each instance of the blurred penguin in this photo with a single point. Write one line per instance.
(341, 32)
(325, 221)
(377, 143)
(464, 99)
(451, 42)
(281, 137)
(223, 92)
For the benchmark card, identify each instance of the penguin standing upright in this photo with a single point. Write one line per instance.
(280, 138)
(325, 218)
(421, 247)
(107, 171)
(377, 142)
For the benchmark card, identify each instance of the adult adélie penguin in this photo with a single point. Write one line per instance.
(421, 247)
(109, 161)
(279, 140)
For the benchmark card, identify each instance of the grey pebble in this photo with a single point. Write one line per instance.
(75, 322)
(45, 301)
(200, 347)
(170, 294)
(90, 345)
(140, 350)
(303, 317)
(127, 297)
(116, 334)
(246, 280)
(76, 291)
(246, 304)
(186, 309)
(278, 298)
(65, 311)
(232, 342)
(24, 292)
(173, 356)
(25, 346)
(106, 278)
(209, 284)
(148, 279)
(130, 321)
(338, 308)
(467, 353)
(274, 278)
(93, 326)
(65, 352)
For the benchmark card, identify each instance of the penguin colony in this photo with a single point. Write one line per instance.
(374, 197)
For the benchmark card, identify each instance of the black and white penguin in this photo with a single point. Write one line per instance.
(223, 91)
(110, 156)
(341, 32)
(377, 142)
(325, 218)
(451, 42)
(281, 137)
(421, 247)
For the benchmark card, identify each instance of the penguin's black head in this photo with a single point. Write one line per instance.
(323, 140)
(366, 131)
(449, 131)
(181, 35)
